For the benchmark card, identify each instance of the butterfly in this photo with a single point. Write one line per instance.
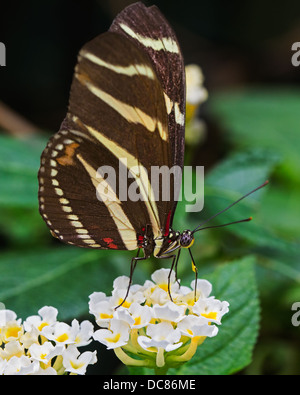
(126, 111)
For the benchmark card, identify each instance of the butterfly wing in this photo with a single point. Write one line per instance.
(151, 32)
(116, 117)
(126, 111)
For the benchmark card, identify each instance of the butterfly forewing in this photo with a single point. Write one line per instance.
(151, 32)
(116, 117)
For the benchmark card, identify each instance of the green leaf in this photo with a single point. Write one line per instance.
(234, 177)
(62, 277)
(231, 350)
(23, 227)
(19, 165)
(280, 208)
(243, 171)
(261, 117)
(229, 181)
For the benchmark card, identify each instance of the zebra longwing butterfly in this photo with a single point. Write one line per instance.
(126, 110)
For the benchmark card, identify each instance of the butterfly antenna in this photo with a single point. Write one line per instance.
(199, 227)
(229, 223)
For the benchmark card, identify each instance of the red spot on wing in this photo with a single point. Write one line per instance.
(110, 243)
(167, 228)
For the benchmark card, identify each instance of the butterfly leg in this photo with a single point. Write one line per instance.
(175, 267)
(174, 258)
(195, 270)
(134, 261)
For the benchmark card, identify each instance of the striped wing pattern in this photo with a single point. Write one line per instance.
(117, 116)
(156, 37)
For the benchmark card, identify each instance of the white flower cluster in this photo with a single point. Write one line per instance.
(41, 345)
(151, 330)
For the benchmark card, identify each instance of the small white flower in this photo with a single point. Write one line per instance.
(103, 312)
(13, 330)
(157, 295)
(21, 366)
(118, 296)
(203, 288)
(12, 349)
(30, 337)
(136, 316)
(157, 292)
(47, 316)
(74, 362)
(193, 326)
(169, 312)
(211, 309)
(161, 278)
(82, 332)
(142, 315)
(123, 314)
(60, 332)
(121, 282)
(6, 316)
(161, 335)
(116, 336)
(44, 352)
(95, 299)
(195, 92)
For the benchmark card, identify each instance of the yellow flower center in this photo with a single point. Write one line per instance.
(164, 287)
(212, 315)
(43, 324)
(126, 304)
(76, 365)
(114, 339)
(104, 316)
(62, 338)
(13, 331)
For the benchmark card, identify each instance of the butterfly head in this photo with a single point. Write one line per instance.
(186, 239)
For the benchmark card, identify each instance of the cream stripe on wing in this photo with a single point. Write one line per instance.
(126, 230)
(165, 43)
(141, 177)
(134, 69)
(179, 117)
(130, 113)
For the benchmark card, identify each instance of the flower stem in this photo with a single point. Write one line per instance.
(188, 354)
(161, 371)
(160, 357)
(127, 360)
(58, 365)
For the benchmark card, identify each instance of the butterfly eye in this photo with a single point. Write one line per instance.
(186, 239)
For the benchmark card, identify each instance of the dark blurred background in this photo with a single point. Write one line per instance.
(234, 42)
(238, 45)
